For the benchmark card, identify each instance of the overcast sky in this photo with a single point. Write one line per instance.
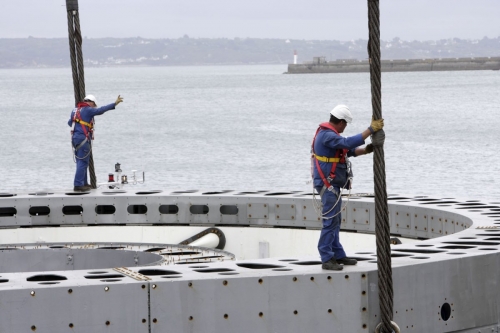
(291, 19)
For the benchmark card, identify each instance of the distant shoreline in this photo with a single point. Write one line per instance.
(117, 52)
(141, 66)
(337, 66)
(319, 65)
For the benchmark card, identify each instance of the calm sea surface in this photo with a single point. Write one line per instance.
(250, 128)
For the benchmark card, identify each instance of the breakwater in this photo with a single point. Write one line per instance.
(320, 65)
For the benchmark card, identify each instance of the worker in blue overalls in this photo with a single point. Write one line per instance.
(331, 174)
(82, 134)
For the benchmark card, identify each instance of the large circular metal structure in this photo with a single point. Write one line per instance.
(444, 281)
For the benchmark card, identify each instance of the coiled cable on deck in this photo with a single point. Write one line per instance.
(382, 227)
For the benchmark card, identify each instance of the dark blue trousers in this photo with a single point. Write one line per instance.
(82, 163)
(329, 243)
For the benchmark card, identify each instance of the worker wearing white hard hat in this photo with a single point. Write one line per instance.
(82, 133)
(341, 111)
(90, 98)
(331, 173)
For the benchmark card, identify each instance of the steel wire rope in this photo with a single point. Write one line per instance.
(74, 69)
(72, 52)
(382, 227)
(76, 55)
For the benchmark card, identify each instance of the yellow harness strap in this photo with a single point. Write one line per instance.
(327, 159)
(83, 123)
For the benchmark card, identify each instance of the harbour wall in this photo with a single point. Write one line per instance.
(319, 65)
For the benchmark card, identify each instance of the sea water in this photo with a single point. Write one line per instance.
(251, 127)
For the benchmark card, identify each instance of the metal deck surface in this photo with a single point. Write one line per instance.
(447, 282)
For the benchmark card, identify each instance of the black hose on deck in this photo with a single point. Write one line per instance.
(217, 231)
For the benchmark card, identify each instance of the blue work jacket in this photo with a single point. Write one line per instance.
(87, 114)
(326, 144)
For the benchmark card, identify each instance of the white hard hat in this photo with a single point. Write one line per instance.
(90, 98)
(342, 112)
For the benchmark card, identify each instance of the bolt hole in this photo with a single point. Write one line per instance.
(312, 278)
(226, 316)
(70, 291)
(261, 314)
(295, 312)
(294, 279)
(143, 320)
(329, 310)
(190, 317)
(71, 325)
(33, 328)
(224, 282)
(155, 320)
(445, 311)
(260, 281)
(107, 323)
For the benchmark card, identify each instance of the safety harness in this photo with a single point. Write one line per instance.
(340, 157)
(87, 128)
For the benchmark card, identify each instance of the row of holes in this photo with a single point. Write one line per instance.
(110, 209)
(173, 209)
(99, 275)
(422, 199)
(5, 195)
(228, 271)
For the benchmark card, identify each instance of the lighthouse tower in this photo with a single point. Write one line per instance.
(295, 57)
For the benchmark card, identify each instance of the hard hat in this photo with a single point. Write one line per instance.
(90, 98)
(342, 112)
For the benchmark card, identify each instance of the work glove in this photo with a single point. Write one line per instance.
(118, 100)
(369, 149)
(376, 125)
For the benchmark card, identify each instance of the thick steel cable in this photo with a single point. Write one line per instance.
(76, 54)
(72, 53)
(81, 77)
(79, 55)
(382, 227)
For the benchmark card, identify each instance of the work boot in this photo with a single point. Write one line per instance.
(82, 188)
(332, 265)
(347, 261)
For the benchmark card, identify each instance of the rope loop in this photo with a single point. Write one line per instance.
(395, 328)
